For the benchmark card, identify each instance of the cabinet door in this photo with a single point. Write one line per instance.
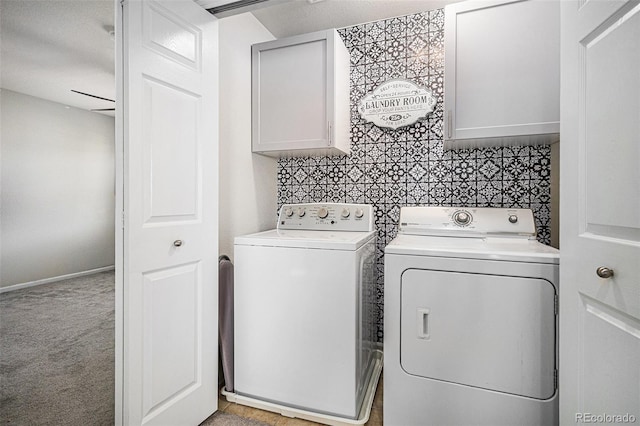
(502, 69)
(291, 93)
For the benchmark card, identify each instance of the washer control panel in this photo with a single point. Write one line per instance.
(327, 216)
(467, 221)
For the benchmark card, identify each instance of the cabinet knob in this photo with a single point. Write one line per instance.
(604, 272)
(177, 243)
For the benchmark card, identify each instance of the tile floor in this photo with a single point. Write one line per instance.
(375, 418)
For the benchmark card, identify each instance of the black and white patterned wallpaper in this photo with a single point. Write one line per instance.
(406, 167)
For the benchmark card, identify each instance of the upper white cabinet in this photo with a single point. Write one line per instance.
(300, 95)
(502, 72)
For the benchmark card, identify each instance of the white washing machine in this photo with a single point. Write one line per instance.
(470, 320)
(304, 331)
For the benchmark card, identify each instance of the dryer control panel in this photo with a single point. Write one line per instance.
(327, 216)
(467, 221)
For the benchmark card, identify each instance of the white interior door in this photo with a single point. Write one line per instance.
(600, 211)
(168, 310)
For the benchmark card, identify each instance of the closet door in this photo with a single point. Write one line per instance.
(167, 318)
(600, 212)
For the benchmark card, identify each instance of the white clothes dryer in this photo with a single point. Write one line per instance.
(304, 326)
(470, 320)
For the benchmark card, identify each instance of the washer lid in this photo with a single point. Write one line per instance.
(328, 240)
(487, 248)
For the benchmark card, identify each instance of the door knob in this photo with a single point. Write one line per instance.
(177, 243)
(604, 272)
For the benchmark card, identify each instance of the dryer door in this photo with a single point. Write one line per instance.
(488, 331)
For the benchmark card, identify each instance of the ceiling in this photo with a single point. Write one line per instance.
(301, 16)
(50, 47)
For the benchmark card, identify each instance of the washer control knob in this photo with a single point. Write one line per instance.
(462, 218)
(323, 212)
(301, 211)
(359, 213)
(288, 212)
(345, 213)
(513, 218)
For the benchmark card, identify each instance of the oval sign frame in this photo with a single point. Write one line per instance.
(396, 103)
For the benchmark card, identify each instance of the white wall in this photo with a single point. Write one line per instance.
(248, 182)
(57, 189)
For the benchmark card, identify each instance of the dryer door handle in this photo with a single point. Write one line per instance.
(422, 320)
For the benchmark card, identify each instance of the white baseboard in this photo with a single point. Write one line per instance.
(54, 279)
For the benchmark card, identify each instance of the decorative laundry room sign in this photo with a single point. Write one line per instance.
(396, 103)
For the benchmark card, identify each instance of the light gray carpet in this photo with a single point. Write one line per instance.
(228, 419)
(57, 353)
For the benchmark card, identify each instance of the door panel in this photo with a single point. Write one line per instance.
(169, 129)
(488, 331)
(171, 311)
(600, 209)
(172, 171)
(611, 164)
(619, 338)
(172, 36)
